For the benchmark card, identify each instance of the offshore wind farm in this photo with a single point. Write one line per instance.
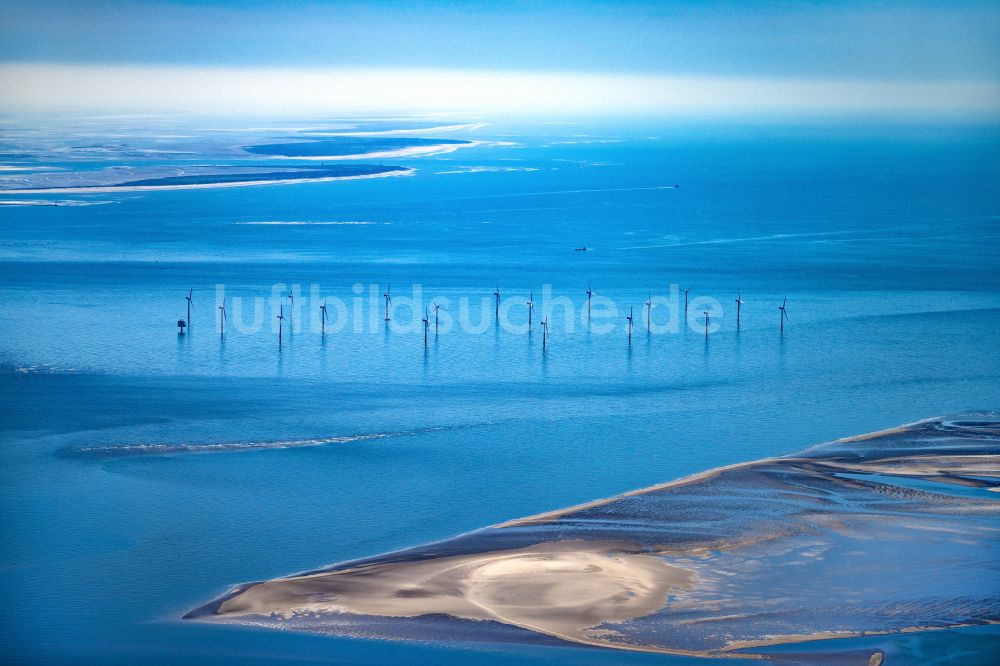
(507, 324)
(655, 333)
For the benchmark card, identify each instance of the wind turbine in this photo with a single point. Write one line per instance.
(222, 319)
(545, 333)
(531, 306)
(323, 317)
(291, 303)
(426, 324)
(388, 299)
(784, 314)
(686, 300)
(706, 324)
(436, 308)
(649, 310)
(188, 299)
(739, 303)
(629, 318)
(281, 321)
(496, 304)
(590, 293)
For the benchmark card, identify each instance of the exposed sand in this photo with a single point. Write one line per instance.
(199, 186)
(776, 551)
(927, 467)
(412, 151)
(563, 589)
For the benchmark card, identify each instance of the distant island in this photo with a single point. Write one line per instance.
(113, 180)
(304, 173)
(356, 147)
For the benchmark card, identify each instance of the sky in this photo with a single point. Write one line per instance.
(650, 58)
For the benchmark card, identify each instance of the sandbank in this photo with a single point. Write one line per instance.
(93, 189)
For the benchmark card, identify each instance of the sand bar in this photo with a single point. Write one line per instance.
(93, 189)
(817, 545)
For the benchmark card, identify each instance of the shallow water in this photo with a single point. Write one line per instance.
(884, 240)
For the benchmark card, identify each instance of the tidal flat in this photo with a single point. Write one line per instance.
(890, 532)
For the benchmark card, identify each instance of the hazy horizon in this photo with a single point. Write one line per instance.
(673, 59)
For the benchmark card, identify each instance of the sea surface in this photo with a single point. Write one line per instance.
(143, 472)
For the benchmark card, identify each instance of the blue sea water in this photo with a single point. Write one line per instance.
(117, 520)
